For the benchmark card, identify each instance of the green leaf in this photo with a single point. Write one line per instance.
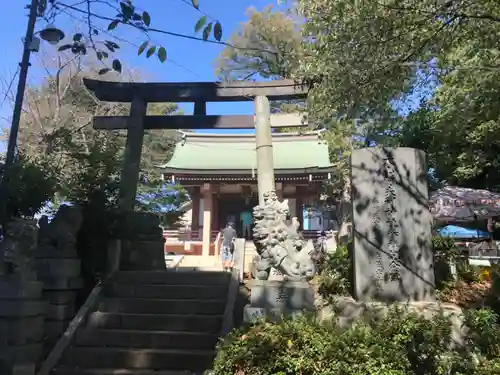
(196, 4)
(99, 55)
(146, 18)
(117, 65)
(113, 25)
(112, 46)
(201, 22)
(104, 71)
(142, 47)
(151, 51)
(207, 30)
(218, 31)
(95, 31)
(162, 54)
(64, 47)
(77, 37)
(127, 10)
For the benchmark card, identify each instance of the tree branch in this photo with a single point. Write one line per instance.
(159, 31)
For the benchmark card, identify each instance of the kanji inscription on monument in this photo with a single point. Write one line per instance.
(392, 254)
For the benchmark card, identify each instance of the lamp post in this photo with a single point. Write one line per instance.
(53, 36)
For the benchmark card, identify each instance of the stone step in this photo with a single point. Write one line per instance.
(108, 371)
(167, 291)
(164, 359)
(77, 371)
(156, 322)
(172, 277)
(161, 306)
(119, 338)
(213, 268)
(201, 262)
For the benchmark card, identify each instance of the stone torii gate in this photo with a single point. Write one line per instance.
(199, 93)
(277, 242)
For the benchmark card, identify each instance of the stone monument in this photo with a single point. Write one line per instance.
(22, 309)
(392, 254)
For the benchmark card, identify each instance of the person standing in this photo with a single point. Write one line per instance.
(246, 224)
(227, 251)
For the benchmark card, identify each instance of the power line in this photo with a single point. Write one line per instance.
(148, 30)
(169, 60)
(9, 87)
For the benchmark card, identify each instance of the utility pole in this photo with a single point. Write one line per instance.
(16, 118)
(16, 115)
(264, 147)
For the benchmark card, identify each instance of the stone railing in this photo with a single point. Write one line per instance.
(233, 288)
(79, 320)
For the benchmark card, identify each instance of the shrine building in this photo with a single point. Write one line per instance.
(220, 173)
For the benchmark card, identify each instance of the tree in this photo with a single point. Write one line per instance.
(58, 125)
(366, 57)
(268, 45)
(380, 53)
(459, 126)
(376, 50)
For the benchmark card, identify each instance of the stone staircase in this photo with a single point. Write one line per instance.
(200, 263)
(151, 323)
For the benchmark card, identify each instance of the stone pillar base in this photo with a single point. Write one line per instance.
(22, 314)
(273, 299)
(143, 244)
(60, 273)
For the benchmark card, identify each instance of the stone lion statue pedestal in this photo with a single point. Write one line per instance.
(274, 299)
(284, 268)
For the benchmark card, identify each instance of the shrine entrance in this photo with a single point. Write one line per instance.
(230, 208)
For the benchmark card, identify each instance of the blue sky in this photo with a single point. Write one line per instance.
(187, 60)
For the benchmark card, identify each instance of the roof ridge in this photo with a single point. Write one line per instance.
(276, 135)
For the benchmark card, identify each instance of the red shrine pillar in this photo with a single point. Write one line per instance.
(215, 213)
(195, 213)
(299, 205)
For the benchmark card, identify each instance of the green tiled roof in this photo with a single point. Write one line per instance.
(215, 152)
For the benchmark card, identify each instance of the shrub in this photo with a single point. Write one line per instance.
(334, 274)
(445, 252)
(396, 344)
(31, 185)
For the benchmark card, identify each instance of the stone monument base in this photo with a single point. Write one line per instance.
(347, 311)
(273, 299)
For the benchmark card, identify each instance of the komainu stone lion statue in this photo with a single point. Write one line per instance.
(18, 248)
(61, 233)
(280, 245)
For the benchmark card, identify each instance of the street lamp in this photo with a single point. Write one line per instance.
(52, 35)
